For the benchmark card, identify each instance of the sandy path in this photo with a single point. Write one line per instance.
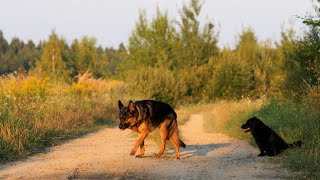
(105, 155)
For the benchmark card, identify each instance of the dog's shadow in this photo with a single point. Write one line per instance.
(191, 150)
(200, 149)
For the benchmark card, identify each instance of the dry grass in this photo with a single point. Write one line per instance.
(35, 111)
(217, 115)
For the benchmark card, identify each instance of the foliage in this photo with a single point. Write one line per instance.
(232, 78)
(296, 122)
(52, 63)
(313, 21)
(177, 55)
(291, 121)
(17, 56)
(185, 48)
(87, 58)
(155, 83)
(36, 112)
(57, 90)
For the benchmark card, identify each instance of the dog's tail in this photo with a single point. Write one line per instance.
(295, 144)
(181, 144)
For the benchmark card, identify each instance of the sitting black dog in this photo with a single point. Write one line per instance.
(269, 142)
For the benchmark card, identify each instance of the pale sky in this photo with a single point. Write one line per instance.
(112, 21)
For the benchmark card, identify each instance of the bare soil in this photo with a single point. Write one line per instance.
(105, 155)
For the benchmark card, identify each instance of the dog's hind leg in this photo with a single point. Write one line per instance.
(174, 139)
(164, 137)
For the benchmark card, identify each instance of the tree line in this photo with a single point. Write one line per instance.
(56, 59)
(179, 61)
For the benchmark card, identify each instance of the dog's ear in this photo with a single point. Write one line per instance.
(120, 105)
(131, 106)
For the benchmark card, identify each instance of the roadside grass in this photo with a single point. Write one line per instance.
(36, 112)
(296, 122)
(291, 121)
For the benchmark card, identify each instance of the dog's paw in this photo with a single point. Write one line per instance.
(139, 156)
(132, 153)
(262, 154)
(271, 154)
(157, 156)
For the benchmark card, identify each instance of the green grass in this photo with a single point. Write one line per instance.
(292, 122)
(296, 122)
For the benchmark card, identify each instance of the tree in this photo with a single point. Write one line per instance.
(182, 53)
(86, 57)
(115, 57)
(195, 47)
(301, 61)
(4, 46)
(17, 56)
(149, 43)
(53, 58)
(28, 56)
(315, 19)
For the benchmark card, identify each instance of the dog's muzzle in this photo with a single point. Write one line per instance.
(245, 128)
(122, 127)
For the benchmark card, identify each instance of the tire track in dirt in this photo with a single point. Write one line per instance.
(105, 155)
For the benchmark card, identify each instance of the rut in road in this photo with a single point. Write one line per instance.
(105, 155)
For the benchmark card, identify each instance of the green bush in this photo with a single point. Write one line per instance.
(155, 83)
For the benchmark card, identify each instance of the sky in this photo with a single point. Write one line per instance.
(112, 21)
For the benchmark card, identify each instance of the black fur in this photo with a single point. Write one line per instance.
(269, 142)
(152, 112)
(146, 115)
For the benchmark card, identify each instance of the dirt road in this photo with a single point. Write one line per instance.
(105, 155)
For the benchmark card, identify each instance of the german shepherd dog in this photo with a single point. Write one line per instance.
(146, 115)
(269, 142)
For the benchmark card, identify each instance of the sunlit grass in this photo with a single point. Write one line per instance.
(36, 112)
(292, 122)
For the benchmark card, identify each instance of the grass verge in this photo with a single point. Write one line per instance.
(291, 121)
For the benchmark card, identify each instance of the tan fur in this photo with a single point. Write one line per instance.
(164, 134)
(132, 121)
(144, 123)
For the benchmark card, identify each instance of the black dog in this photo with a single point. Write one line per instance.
(269, 142)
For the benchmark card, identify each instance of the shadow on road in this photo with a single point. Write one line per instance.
(200, 149)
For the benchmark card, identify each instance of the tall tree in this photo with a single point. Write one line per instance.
(196, 45)
(28, 56)
(53, 58)
(149, 43)
(4, 45)
(87, 57)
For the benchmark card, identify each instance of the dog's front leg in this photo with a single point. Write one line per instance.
(142, 149)
(140, 140)
(262, 152)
